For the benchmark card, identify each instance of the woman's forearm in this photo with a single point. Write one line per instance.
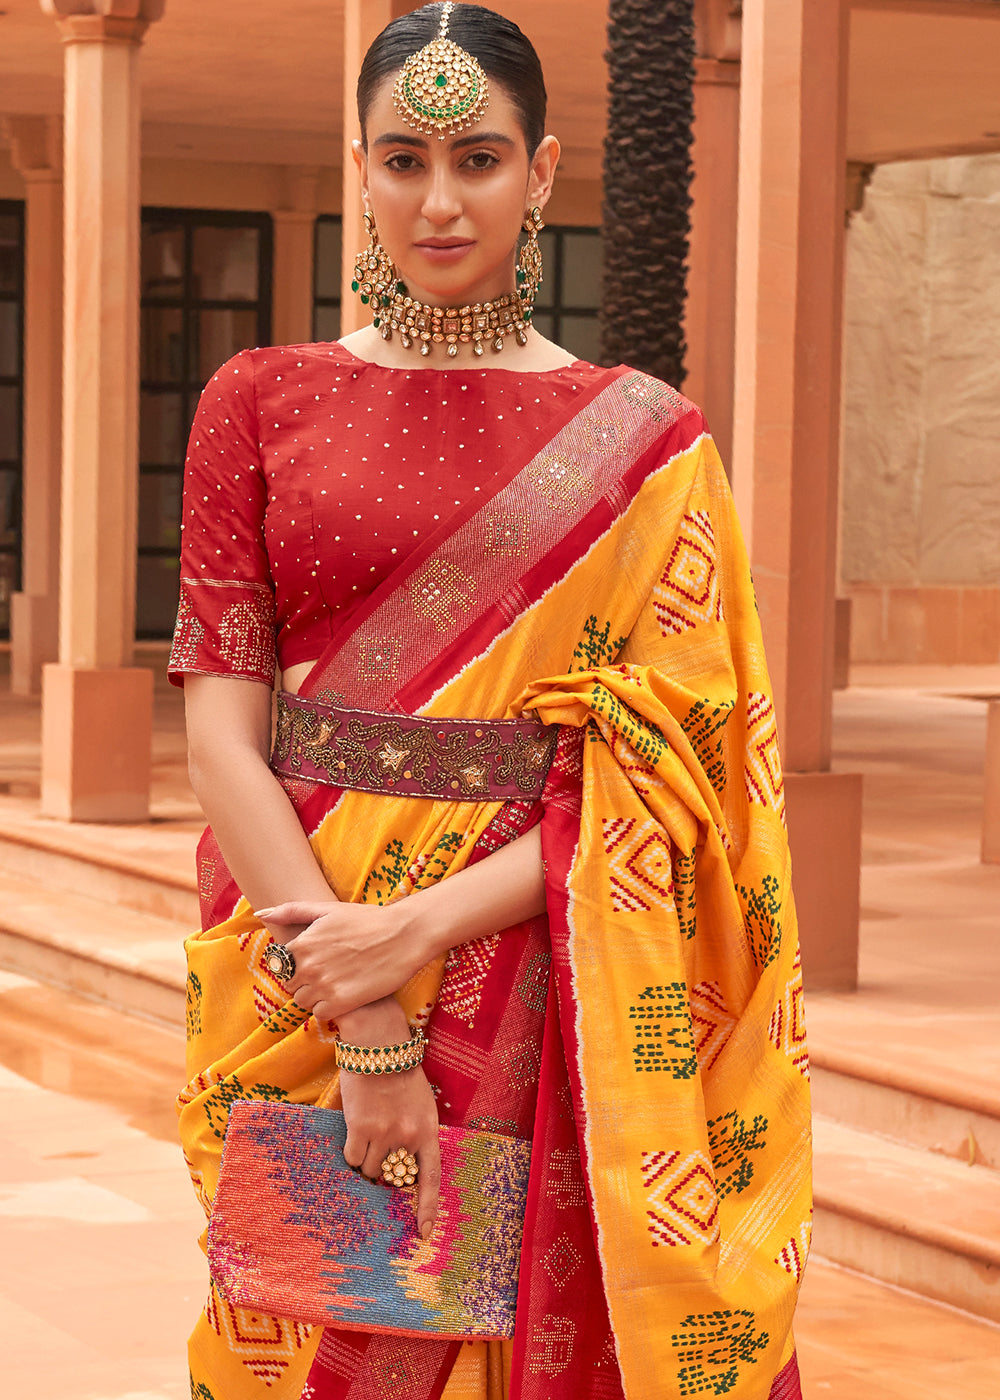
(506, 888)
(272, 861)
(256, 827)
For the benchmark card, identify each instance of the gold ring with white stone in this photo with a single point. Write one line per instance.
(400, 1168)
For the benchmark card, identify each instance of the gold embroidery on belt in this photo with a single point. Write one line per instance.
(440, 758)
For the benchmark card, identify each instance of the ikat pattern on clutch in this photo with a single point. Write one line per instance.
(297, 1233)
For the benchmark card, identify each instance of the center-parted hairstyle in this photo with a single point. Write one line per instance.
(506, 56)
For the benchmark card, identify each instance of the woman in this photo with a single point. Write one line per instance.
(602, 952)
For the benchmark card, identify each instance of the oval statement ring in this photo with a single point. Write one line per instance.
(279, 960)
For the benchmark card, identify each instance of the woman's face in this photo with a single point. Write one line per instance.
(448, 212)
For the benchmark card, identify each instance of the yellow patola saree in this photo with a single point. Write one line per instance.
(646, 1035)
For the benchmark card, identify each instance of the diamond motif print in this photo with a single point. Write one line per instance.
(561, 1260)
(712, 1022)
(687, 594)
(264, 1345)
(640, 868)
(792, 1256)
(465, 974)
(764, 780)
(681, 1203)
(787, 1031)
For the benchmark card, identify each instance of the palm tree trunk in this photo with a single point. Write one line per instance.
(647, 177)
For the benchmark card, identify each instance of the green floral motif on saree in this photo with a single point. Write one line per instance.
(193, 1004)
(385, 878)
(663, 1024)
(228, 1091)
(763, 925)
(646, 739)
(712, 1346)
(595, 648)
(704, 724)
(730, 1142)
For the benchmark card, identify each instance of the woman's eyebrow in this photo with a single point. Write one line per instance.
(482, 138)
(395, 139)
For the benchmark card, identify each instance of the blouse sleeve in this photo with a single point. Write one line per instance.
(226, 617)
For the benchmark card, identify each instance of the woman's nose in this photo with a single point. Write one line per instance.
(441, 202)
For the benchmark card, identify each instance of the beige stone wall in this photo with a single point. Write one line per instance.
(920, 545)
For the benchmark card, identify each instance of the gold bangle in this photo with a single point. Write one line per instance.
(381, 1059)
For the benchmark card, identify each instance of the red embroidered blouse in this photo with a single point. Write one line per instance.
(311, 473)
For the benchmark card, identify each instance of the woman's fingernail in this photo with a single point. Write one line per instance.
(262, 913)
(426, 1229)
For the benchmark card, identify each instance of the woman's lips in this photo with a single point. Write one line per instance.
(444, 252)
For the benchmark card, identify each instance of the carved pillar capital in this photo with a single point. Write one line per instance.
(35, 146)
(103, 21)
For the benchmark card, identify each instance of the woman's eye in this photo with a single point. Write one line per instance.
(483, 160)
(400, 161)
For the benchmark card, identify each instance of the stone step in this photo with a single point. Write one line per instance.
(859, 1339)
(114, 953)
(908, 1217)
(153, 875)
(913, 1105)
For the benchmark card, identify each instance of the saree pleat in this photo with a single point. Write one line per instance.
(648, 1035)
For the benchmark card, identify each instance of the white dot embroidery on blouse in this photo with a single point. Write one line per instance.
(212, 544)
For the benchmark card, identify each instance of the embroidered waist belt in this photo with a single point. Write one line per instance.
(467, 760)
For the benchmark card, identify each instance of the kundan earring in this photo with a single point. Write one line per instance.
(375, 275)
(377, 280)
(529, 264)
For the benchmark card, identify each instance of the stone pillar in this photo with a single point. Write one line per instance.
(97, 707)
(363, 21)
(709, 317)
(36, 148)
(294, 259)
(790, 269)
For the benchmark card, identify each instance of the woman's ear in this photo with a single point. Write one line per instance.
(543, 172)
(361, 161)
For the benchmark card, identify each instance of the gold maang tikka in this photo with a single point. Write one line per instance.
(442, 88)
(393, 309)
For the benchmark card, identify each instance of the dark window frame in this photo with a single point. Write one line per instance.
(189, 385)
(319, 302)
(14, 208)
(552, 280)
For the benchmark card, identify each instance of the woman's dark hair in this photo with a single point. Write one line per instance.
(505, 54)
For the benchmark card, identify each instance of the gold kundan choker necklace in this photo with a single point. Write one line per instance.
(427, 326)
(393, 309)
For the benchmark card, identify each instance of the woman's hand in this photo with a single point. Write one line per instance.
(348, 955)
(352, 954)
(386, 1111)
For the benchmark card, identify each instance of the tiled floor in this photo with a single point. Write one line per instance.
(102, 1274)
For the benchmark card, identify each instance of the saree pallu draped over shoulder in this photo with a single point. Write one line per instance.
(648, 1035)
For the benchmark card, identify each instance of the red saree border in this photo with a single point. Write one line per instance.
(787, 1384)
(379, 656)
(396, 581)
(555, 564)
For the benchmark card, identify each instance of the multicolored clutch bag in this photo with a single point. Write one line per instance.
(296, 1233)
